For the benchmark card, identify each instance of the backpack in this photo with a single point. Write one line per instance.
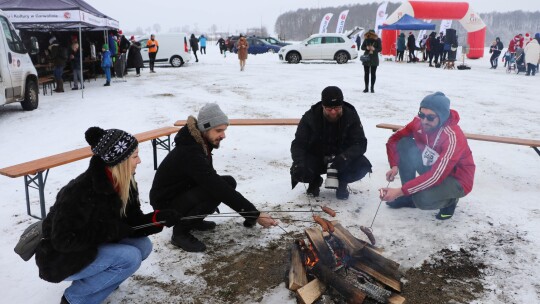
(29, 240)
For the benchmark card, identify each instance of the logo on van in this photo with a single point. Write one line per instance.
(18, 63)
(67, 15)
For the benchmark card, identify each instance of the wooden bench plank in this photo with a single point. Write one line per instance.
(255, 122)
(498, 139)
(42, 164)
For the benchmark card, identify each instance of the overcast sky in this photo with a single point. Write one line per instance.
(236, 15)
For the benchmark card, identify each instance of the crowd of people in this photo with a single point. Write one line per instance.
(522, 55)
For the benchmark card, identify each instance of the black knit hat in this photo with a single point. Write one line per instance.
(332, 97)
(113, 146)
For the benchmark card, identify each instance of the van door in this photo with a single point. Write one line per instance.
(144, 50)
(15, 52)
(5, 75)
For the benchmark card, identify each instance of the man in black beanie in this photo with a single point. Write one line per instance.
(187, 181)
(433, 145)
(329, 135)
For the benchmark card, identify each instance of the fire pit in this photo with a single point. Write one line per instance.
(369, 274)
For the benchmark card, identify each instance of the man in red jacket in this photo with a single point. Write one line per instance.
(433, 145)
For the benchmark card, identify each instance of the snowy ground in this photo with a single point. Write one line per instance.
(500, 217)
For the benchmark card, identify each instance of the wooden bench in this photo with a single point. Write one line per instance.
(33, 171)
(255, 122)
(46, 82)
(535, 144)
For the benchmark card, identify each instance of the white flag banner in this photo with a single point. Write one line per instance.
(445, 24)
(421, 34)
(324, 22)
(341, 21)
(381, 17)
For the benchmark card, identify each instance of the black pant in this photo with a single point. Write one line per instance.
(203, 50)
(315, 167)
(494, 60)
(367, 71)
(138, 70)
(400, 55)
(196, 58)
(196, 201)
(412, 56)
(152, 57)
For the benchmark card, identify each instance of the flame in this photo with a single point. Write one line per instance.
(311, 257)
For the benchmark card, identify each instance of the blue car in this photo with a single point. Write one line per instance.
(259, 46)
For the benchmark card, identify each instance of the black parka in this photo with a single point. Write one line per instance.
(134, 59)
(85, 215)
(309, 135)
(189, 165)
(371, 39)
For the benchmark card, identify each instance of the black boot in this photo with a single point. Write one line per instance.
(64, 300)
(401, 202)
(313, 189)
(342, 192)
(365, 90)
(59, 86)
(372, 89)
(447, 212)
(107, 84)
(204, 226)
(185, 240)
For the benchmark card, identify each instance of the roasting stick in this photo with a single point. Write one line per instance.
(368, 231)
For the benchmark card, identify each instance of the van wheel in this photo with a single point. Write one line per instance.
(176, 61)
(31, 96)
(342, 57)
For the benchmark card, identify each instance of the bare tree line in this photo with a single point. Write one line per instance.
(299, 24)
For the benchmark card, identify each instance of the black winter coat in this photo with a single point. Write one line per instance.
(194, 43)
(124, 44)
(85, 215)
(189, 165)
(134, 59)
(309, 138)
(373, 58)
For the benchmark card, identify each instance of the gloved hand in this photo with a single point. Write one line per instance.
(300, 173)
(340, 162)
(170, 216)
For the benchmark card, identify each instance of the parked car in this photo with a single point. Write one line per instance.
(173, 49)
(230, 42)
(325, 46)
(259, 46)
(274, 41)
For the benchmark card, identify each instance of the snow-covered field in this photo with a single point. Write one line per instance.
(502, 212)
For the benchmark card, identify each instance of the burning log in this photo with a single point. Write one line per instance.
(350, 293)
(323, 252)
(297, 273)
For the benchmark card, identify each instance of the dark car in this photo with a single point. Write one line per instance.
(230, 42)
(259, 46)
(274, 41)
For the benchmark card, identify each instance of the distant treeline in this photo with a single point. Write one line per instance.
(300, 24)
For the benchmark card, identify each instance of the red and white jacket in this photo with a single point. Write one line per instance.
(455, 156)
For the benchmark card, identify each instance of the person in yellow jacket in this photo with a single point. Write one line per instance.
(153, 47)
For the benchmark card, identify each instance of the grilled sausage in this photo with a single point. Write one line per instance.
(330, 226)
(367, 231)
(328, 211)
(321, 222)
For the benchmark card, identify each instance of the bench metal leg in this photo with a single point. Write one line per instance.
(163, 144)
(536, 149)
(37, 182)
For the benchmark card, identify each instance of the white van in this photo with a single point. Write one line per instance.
(18, 76)
(173, 48)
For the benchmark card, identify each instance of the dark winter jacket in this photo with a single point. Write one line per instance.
(76, 60)
(85, 215)
(59, 54)
(373, 40)
(434, 44)
(189, 165)
(194, 43)
(124, 44)
(134, 59)
(310, 135)
(401, 42)
(411, 43)
(221, 43)
(497, 48)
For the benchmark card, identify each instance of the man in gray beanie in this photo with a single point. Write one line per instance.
(187, 181)
(433, 145)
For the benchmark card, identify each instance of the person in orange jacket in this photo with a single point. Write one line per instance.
(153, 48)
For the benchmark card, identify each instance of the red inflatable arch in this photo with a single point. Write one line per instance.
(460, 11)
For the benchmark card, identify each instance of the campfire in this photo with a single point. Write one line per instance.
(330, 253)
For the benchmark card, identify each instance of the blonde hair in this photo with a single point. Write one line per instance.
(123, 180)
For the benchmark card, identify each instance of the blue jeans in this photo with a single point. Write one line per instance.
(114, 263)
(107, 71)
(58, 71)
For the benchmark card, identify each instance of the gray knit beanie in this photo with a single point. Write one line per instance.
(211, 116)
(438, 103)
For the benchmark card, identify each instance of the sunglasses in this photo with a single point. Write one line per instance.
(337, 108)
(429, 117)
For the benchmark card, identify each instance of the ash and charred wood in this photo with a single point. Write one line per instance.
(362, 265)
(297, 273)
(310, 292)
(350, 293)
(323, 252)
